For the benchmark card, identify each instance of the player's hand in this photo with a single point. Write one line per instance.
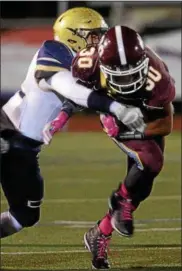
(109, 125)
(48, 133)
(4, 146)
(54, 126)
(133, 119)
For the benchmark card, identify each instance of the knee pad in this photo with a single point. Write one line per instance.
(27, 216)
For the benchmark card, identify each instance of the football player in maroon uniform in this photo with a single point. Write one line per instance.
(130, 72)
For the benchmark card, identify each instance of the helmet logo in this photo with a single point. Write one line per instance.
(72, 41)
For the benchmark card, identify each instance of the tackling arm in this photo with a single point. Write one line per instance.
(56, 77)
(65, 85)
(159, 127)
(68, 109)
(53, 73)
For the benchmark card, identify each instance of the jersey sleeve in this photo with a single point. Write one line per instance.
(169, 93)
(163, 93)
(52, 57)
(161, 82)
(85, 67)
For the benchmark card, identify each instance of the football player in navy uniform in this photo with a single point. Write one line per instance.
(38, 101)
(130, 72)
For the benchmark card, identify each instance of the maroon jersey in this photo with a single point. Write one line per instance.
(160, 82)
(158, 90)
(85, 67)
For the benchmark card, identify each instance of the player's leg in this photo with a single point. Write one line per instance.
(97, 243)
(23, 187)
(99, 236)
(137, 186)
(97, 239)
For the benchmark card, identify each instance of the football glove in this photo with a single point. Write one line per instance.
(109, 125)
(54, 126)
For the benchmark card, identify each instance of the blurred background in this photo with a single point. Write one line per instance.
(27, 24)
(81, 169)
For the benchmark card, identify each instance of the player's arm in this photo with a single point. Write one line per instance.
(159, 127)
(67, 110)
(65, 85)
(53, 74)
(162, 126)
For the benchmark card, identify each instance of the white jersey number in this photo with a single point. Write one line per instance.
(154, 76)
(86, 60)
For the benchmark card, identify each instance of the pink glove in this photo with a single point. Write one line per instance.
(110, 126)
(54, 126)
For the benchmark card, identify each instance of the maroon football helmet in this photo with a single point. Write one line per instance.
(123, 60)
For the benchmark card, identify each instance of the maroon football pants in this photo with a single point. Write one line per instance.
(146, 157)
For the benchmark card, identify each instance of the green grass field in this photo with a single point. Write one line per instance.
(80, 171)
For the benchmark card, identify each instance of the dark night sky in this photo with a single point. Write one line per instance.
(48, 9)
(23, 9)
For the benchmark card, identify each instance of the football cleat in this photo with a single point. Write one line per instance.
(122, 219)
(97, 243)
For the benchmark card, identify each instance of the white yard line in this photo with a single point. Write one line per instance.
(158, 229)
(83, 251)
(83, 200)
(85, 224)
(138, 222)
(136, 230)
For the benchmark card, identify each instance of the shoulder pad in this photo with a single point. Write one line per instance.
(55, 53)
